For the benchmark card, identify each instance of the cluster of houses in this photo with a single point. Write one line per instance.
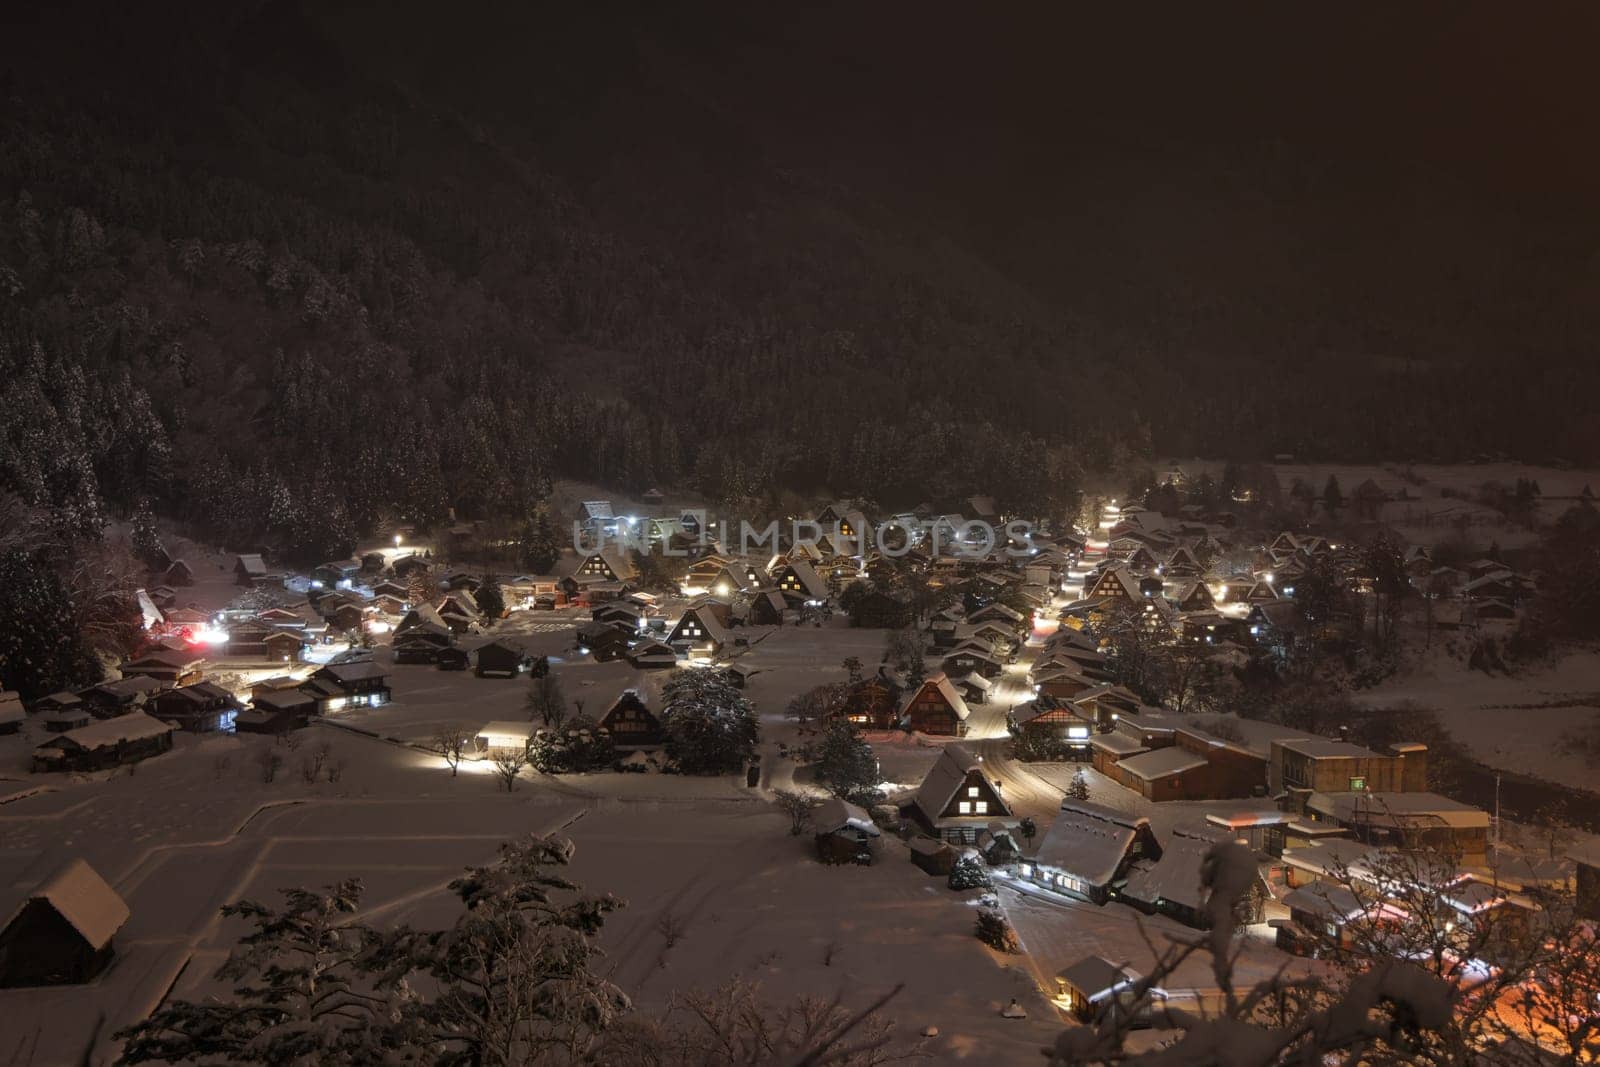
(1199, 581)
(164, 690)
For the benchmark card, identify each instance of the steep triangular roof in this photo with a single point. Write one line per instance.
(80, 896)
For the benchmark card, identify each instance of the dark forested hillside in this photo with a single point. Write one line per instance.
(285, 268)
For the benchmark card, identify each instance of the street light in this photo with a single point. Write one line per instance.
(397, 540)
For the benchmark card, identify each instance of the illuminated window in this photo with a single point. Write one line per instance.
(966, 807)
(981, 807)
(1357, 784)
(972, 790)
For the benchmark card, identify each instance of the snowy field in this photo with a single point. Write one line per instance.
(186, 832)
(1514, 723)
(1429, 515)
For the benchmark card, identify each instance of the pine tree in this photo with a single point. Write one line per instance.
(710, 727)
(541, 545)
(1332, 495)
(845, 762)
(969, 873)
(144, 540)
(42, 643)
(491, 600)
(516, 973)
(1078, 788)
(303, 991)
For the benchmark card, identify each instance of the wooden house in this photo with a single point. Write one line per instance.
(12, 713)
(422, 644)
(1191, 595)
(100, 745)
(932, 855)
(699, 630)
(873, 703)
(880, 610)
(604, 643)
(631, 723)
(276, 712)
(106, 700)
(250, 569)
(1094, 988)
(970, 660)
(974, 688)
(167, 667)
(955, 802)
(342, 686)
(459, 610)
(1005, 615)
(178, 574)
(1048, 717)
(1182, 564)
(797, 579)
(844, 832)
(935, 708)
(650, 655)
(1088, 850)
(501, 659)
(1114, 583)
(767, 608)
(201, 707)
(453, 658)
(608, 564)
(62, 931)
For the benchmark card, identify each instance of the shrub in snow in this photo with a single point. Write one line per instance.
(969, 873)
(994, 931)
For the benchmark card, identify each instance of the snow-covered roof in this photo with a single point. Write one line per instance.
(11, 709)
(81, 897)
(1411, 810)
(1161, 763)
(507, 731)
(946, 689)
(1089, 840)
(947, 775)
(1326, 899)
(134, 726)
(811, 583)
(1174, 877)
(833, 815)
(354, 672)
(1095, 976)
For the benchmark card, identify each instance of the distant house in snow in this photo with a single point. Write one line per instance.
(935, 708)
(99, 745)
(844, 832)
(1089, 849)
(12, 713)
(956, 801)
(341, 686)
(631, 723)
(62, 932)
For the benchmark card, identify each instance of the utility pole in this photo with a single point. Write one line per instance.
(1497, 811)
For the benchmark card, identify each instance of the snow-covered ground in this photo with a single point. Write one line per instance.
(1513, 722)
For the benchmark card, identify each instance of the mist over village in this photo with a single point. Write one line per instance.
(707, 534)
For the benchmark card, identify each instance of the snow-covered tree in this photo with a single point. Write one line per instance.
(1078, 788)
(491, 599)
(969, 873)
(42, 645)
(845, 762)
(303, 991)
(517, 975)
(710, 727)
(546, 702)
